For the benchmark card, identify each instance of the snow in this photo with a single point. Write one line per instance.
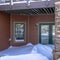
(17, 50)
(51, 46)
(27, 52)
(44, 50)
(29, 44)
(25, 57)
(58, 59)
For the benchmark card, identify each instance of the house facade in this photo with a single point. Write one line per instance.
(23, 22)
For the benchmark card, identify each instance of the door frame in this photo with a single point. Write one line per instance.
(39, 28)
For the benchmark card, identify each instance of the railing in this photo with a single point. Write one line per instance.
(26, 1)
(19, 1)
(39, 0)
(4, 2)
(11, 2)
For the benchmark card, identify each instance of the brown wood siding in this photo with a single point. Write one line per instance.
(18, 18)
(31, 27)
(7, 22)
(4, 30)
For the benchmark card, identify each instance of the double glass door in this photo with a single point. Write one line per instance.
(46, 33)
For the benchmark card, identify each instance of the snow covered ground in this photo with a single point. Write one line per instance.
(25, 57)
(45, 50)
(28, 52)
(58, 59)
(17, 50)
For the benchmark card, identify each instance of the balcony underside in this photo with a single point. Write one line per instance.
(33, 8)
(29, 5)
(35, 11)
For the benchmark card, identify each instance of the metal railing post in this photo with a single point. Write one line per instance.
(11, 2)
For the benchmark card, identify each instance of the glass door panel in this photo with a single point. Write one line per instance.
(44, 34)
(53, 33)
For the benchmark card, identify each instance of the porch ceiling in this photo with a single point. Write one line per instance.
(36, 11)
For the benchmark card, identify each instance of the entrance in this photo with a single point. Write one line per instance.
(46, 33)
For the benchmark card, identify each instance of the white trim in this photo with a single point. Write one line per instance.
(19, 2)
(16, 41)
(4, 3)
(11, 2)
(38, 1)
(33, 1)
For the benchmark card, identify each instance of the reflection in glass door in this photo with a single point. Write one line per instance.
(53, 33)
(46, 33)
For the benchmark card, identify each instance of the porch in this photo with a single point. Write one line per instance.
(31, 13)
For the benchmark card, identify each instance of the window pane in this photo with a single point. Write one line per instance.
(53, 33)
(19, 32)
(44, 34)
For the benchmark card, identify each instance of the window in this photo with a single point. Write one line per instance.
(19, 32)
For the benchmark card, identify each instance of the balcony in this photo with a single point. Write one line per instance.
(4, 2)
(25, 4)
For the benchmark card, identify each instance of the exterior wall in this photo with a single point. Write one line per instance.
(31, 26)
(7, 28)
(4, 30)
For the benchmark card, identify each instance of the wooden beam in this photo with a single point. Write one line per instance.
(19, 6)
